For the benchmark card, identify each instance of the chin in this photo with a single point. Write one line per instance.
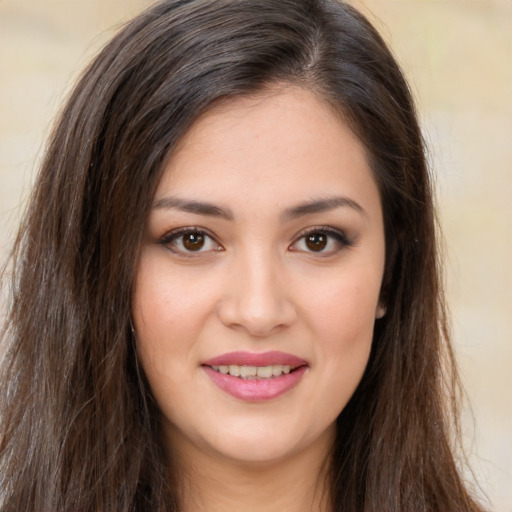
(260, 442)
(260, 448)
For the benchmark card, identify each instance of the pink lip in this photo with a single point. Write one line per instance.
(255, 359)
(256, 390)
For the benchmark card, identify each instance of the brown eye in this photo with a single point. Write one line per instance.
(193, 241)
(316, 241)
(323, 241)
(190, 242)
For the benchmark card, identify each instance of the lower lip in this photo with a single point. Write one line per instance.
(256, 390)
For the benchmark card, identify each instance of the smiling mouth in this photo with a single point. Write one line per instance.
(256, 377)
(254, 372)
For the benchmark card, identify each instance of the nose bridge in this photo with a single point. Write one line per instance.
(261, 289)
(258, 301)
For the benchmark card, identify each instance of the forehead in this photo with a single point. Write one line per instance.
(279, 145)
(289, 118)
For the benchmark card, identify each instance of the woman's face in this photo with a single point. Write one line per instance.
(258, 282)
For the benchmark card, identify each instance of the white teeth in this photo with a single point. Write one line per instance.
(234, 370)
(277, 369)
(254, 372)
(248, 371)
(265, 372)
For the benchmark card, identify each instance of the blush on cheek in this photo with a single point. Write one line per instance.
(345, 308)
(347, 329)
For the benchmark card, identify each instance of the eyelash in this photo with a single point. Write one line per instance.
(339, 237)
(170, 239)
(173, 236)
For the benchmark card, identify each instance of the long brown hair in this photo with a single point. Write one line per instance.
(78, 426)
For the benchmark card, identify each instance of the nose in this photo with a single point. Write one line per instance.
(257, 299)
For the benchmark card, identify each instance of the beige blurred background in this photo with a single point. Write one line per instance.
(457, 55)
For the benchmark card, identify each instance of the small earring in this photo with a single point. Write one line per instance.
(381, 312)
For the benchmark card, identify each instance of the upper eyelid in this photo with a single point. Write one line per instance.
(187, 229)
(323, 229)
(169, 240)
(338, 234)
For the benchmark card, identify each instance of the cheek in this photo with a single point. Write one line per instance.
(346, 330)
(168, 305)
(166, 313)
(345, 303)
(341, 316)
(166, 318)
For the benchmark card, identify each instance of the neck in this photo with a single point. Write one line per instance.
(215, 484)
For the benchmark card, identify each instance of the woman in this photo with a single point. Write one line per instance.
(226, 289)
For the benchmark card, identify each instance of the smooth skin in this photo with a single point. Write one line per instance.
(266, 234)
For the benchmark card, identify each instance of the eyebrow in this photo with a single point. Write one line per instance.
(191, 206)
(212, 210)
(320, 206)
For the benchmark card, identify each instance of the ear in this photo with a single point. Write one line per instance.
(392, 249)
(380, 311)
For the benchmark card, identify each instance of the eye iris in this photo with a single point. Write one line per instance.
(316, 241)
(193, 241)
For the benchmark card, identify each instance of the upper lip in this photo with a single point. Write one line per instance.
(256, 359)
